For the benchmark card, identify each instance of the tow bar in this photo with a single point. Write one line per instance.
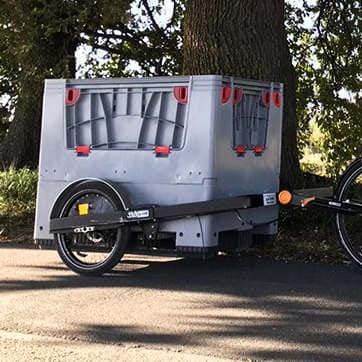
(321, 197)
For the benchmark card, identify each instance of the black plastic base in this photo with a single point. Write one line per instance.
(196, 252)
(263, 239)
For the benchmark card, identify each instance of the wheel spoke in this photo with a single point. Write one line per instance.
(93, 248)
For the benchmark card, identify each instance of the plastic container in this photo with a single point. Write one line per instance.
(166, 141)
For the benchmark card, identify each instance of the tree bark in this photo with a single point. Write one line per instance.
(246, 38)
(20, 146)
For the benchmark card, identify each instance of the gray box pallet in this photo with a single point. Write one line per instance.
(224, 136)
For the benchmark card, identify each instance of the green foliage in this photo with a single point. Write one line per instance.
(312, 160)
(147, 40)
(4, 120)
(17, 204)
(325, 39)
(17, 191)
(39, 39)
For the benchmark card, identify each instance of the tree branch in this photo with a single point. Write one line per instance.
(150, 14)
(172, 19)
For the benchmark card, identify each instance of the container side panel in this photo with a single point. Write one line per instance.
(126, 118)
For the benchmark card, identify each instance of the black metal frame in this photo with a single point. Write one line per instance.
(323, 198)
(330, 204)
(153, 214)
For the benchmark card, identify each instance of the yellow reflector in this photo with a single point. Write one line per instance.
(83, 209)
(285, 197)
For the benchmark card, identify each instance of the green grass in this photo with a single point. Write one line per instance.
(17, 203)
(312, 160)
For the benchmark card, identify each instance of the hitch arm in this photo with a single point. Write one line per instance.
(323, 198)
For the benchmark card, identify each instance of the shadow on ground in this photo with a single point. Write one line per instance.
(311, 311)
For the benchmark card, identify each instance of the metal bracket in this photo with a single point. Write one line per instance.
(150, 230)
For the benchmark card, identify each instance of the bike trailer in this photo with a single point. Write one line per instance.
(192, 161)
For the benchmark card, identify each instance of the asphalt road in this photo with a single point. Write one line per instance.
(158, 308)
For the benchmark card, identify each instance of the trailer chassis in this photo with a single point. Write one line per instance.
(155, 214)
(345, 202)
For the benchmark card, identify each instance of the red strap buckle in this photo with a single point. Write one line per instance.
(83, 150)
(162, 150)
(240, 150)
(258, 150)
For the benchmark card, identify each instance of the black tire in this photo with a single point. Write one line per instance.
(118, 239)
(349, 228)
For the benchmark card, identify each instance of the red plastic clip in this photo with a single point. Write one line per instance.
(71, 96)
(162, 150)
(83, 150)
(181, 94)
(238, 94)
(225, 94)
(265, 97)
(240, 150)
(277, 99)
(258, 150)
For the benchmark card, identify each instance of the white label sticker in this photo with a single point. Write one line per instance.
(270, 199)
(84, 229)
(138, 214)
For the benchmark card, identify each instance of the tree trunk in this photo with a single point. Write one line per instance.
(20, 146)
(245, 38)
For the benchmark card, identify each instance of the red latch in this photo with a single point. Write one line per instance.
(240, 150)
(238, 94)
(71, 96)
(265, 97)
(258, 150)
(181, 94)
(83, 150)
(162, 150)
(277, 99)
(225, 94)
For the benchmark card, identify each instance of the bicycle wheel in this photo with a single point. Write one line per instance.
(349, 226)
(97, 252)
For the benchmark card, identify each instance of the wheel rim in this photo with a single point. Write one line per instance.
(93, 249)
(350, 226)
